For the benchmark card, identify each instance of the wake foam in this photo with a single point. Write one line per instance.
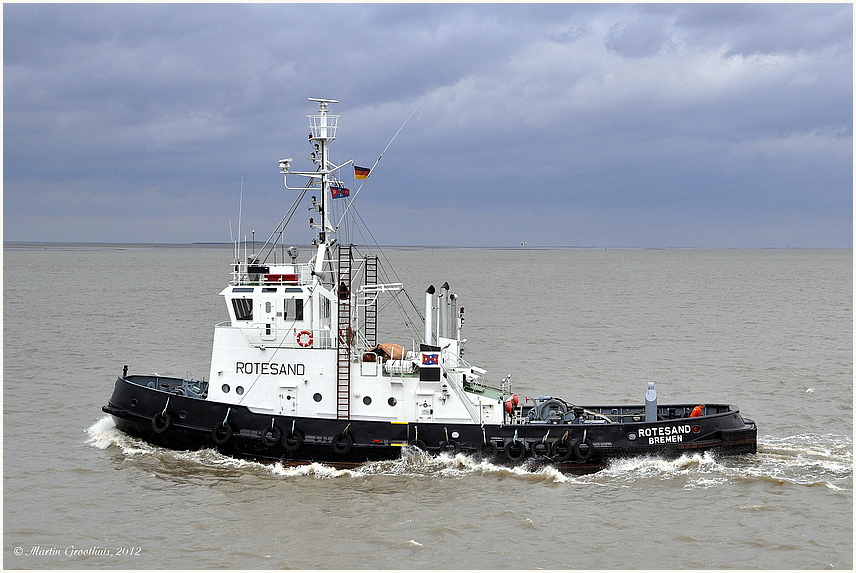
(807, 460)
(104, 434)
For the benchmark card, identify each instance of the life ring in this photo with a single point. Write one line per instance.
(562, 451)
(342, 444)
(515, 450)
(271, 436)
(161, 422)
(578, 449)
(221, 433)
(292, 440)
(304, 343)
(489, 450)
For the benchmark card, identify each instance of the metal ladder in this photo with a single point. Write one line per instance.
(343, 345)
(370, 328)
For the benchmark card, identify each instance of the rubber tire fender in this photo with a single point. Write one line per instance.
(421, 446)
(540, 449)
(489, 451)
(342, 443)
(221, 433)
(161, 422)
(450, 446)
(562, 450)
(271, 436)
(515, 451)
(583, 457)
(292, 440)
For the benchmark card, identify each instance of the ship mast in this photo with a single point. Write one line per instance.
(322, 131)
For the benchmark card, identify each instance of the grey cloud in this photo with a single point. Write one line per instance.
(680, 109)
(637, 39)
(754, 29)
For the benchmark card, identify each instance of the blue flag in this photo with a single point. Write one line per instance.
(339, 191)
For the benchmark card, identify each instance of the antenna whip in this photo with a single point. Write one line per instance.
(399, 131)
(345, 212)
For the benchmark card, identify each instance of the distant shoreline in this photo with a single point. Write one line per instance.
(50, 245)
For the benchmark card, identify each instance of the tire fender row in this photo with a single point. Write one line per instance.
(562, 450)
(513, 449)
(517, 449)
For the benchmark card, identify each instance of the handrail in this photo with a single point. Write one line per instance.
(462, 396)
(241, 273)
(321, 338)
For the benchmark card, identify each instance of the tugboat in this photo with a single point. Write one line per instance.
(298, 375)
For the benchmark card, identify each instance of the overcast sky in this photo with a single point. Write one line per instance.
(663, 125)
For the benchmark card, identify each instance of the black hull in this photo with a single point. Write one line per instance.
(180, 422)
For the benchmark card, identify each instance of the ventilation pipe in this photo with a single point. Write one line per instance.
(444, 307)
(456, 331)
(429, 318)
(651, 403)
(441, 316)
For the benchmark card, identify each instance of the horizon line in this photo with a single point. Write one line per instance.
(405, 246)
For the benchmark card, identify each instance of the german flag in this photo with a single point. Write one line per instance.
(361, 172)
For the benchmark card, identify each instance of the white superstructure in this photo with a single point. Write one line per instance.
(301, 337)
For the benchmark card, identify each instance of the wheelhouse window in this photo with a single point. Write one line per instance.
(294, 309)
(243, 308)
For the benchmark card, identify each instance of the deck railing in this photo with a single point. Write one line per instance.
(257, 335)
(259, 274)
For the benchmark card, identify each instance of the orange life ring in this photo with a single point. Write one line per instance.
(304, 343)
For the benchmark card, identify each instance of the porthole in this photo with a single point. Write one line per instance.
(367, 400)
(456, 435)
(133, 403)
(631, 436)
(239, 390)
(225, 388)
(182, 415)
(316, 397)
(392, 401)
